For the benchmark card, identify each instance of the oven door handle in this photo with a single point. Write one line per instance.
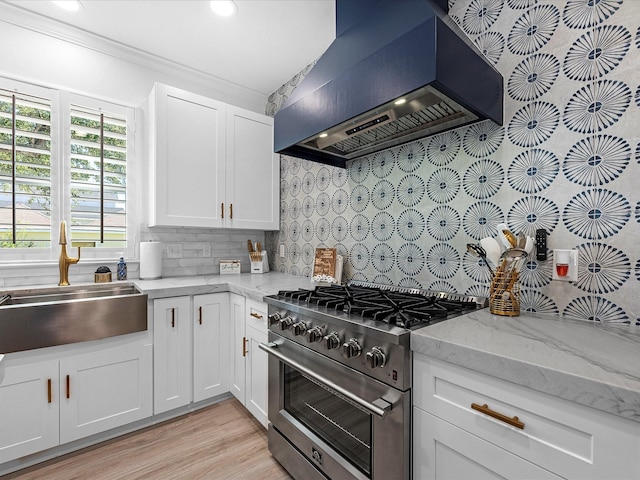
(378, 407)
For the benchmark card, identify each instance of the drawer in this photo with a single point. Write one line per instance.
(444, 451)
(256, 313)
(568, 439)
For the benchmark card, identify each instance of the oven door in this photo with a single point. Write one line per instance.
(334, 419)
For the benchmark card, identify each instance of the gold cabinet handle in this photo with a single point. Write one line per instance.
(256, 315)
(515, 421)
(49, 391)
(231, 210)
(173, 318)
(244, 346)
(68, 387)
(200, 315)
(222, 210)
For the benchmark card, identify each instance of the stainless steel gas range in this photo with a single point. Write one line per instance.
(340, 377)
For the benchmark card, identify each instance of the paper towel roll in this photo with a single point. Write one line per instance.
(150, 260)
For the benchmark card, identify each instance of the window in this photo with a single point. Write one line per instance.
(98, 170)
(25, 171)
(64, 157)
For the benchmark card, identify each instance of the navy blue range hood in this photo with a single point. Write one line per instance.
(397, 71)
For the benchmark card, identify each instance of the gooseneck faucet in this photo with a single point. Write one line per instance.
(65, 260)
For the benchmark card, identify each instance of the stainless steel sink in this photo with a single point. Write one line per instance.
(44, 317)
(59, 294)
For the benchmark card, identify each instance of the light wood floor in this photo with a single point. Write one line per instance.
(219, 442)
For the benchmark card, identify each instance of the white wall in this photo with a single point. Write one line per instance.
(38, 51)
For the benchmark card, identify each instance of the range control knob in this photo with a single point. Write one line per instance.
(274, 318)
(376, 357)
(286, 322)
(315, 334)
(299, 328)
(332, 341)
(351, 348)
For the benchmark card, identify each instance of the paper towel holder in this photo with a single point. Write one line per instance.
(150, 260)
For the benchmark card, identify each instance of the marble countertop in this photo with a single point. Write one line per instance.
(254, 286)
(590, 364)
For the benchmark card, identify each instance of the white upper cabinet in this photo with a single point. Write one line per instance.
(187, 158)
(212, 164)
(252, 171)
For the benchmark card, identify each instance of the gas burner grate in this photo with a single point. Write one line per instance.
(404, 307)
(480, 302)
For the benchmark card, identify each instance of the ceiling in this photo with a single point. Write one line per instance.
(260, 48)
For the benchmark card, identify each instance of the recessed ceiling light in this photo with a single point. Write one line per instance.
(69, 5)
(224, 8)
(400, 101)
(323, 135)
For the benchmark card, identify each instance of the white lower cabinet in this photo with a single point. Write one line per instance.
(29, 409)
(470, 425)
(191, 349)
(171, 353)
(210, 345)
(444, 451)
(249, 363)
(49, 400)
(57, 401)
(238, 346)
(103, 390)
(256, 366)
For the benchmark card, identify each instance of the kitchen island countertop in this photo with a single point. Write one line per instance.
(588, 363)
(254, 286)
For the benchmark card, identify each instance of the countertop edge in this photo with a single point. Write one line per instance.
(607, 394)
(253, 286)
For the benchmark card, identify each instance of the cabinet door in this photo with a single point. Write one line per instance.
(104, 390)
(256, 375)
(238, 346)
(256, 360)
(444, 451)
(210, 345)
(171, 353)
(252, 171)
(29, 405)
(187, 159)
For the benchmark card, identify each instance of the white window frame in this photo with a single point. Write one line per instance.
(40, 255)
(133, 223)
(61, 102)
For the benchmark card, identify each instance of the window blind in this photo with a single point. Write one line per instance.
(25, 171)
(98, 166)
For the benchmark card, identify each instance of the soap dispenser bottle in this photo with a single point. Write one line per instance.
(122, 269)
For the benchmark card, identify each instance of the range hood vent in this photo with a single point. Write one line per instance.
(398, 70)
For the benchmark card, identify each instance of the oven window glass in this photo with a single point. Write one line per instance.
(339, 423)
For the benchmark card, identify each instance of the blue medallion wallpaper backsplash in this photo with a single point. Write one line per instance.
(566, 160)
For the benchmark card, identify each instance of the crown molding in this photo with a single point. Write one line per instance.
(25, 19)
